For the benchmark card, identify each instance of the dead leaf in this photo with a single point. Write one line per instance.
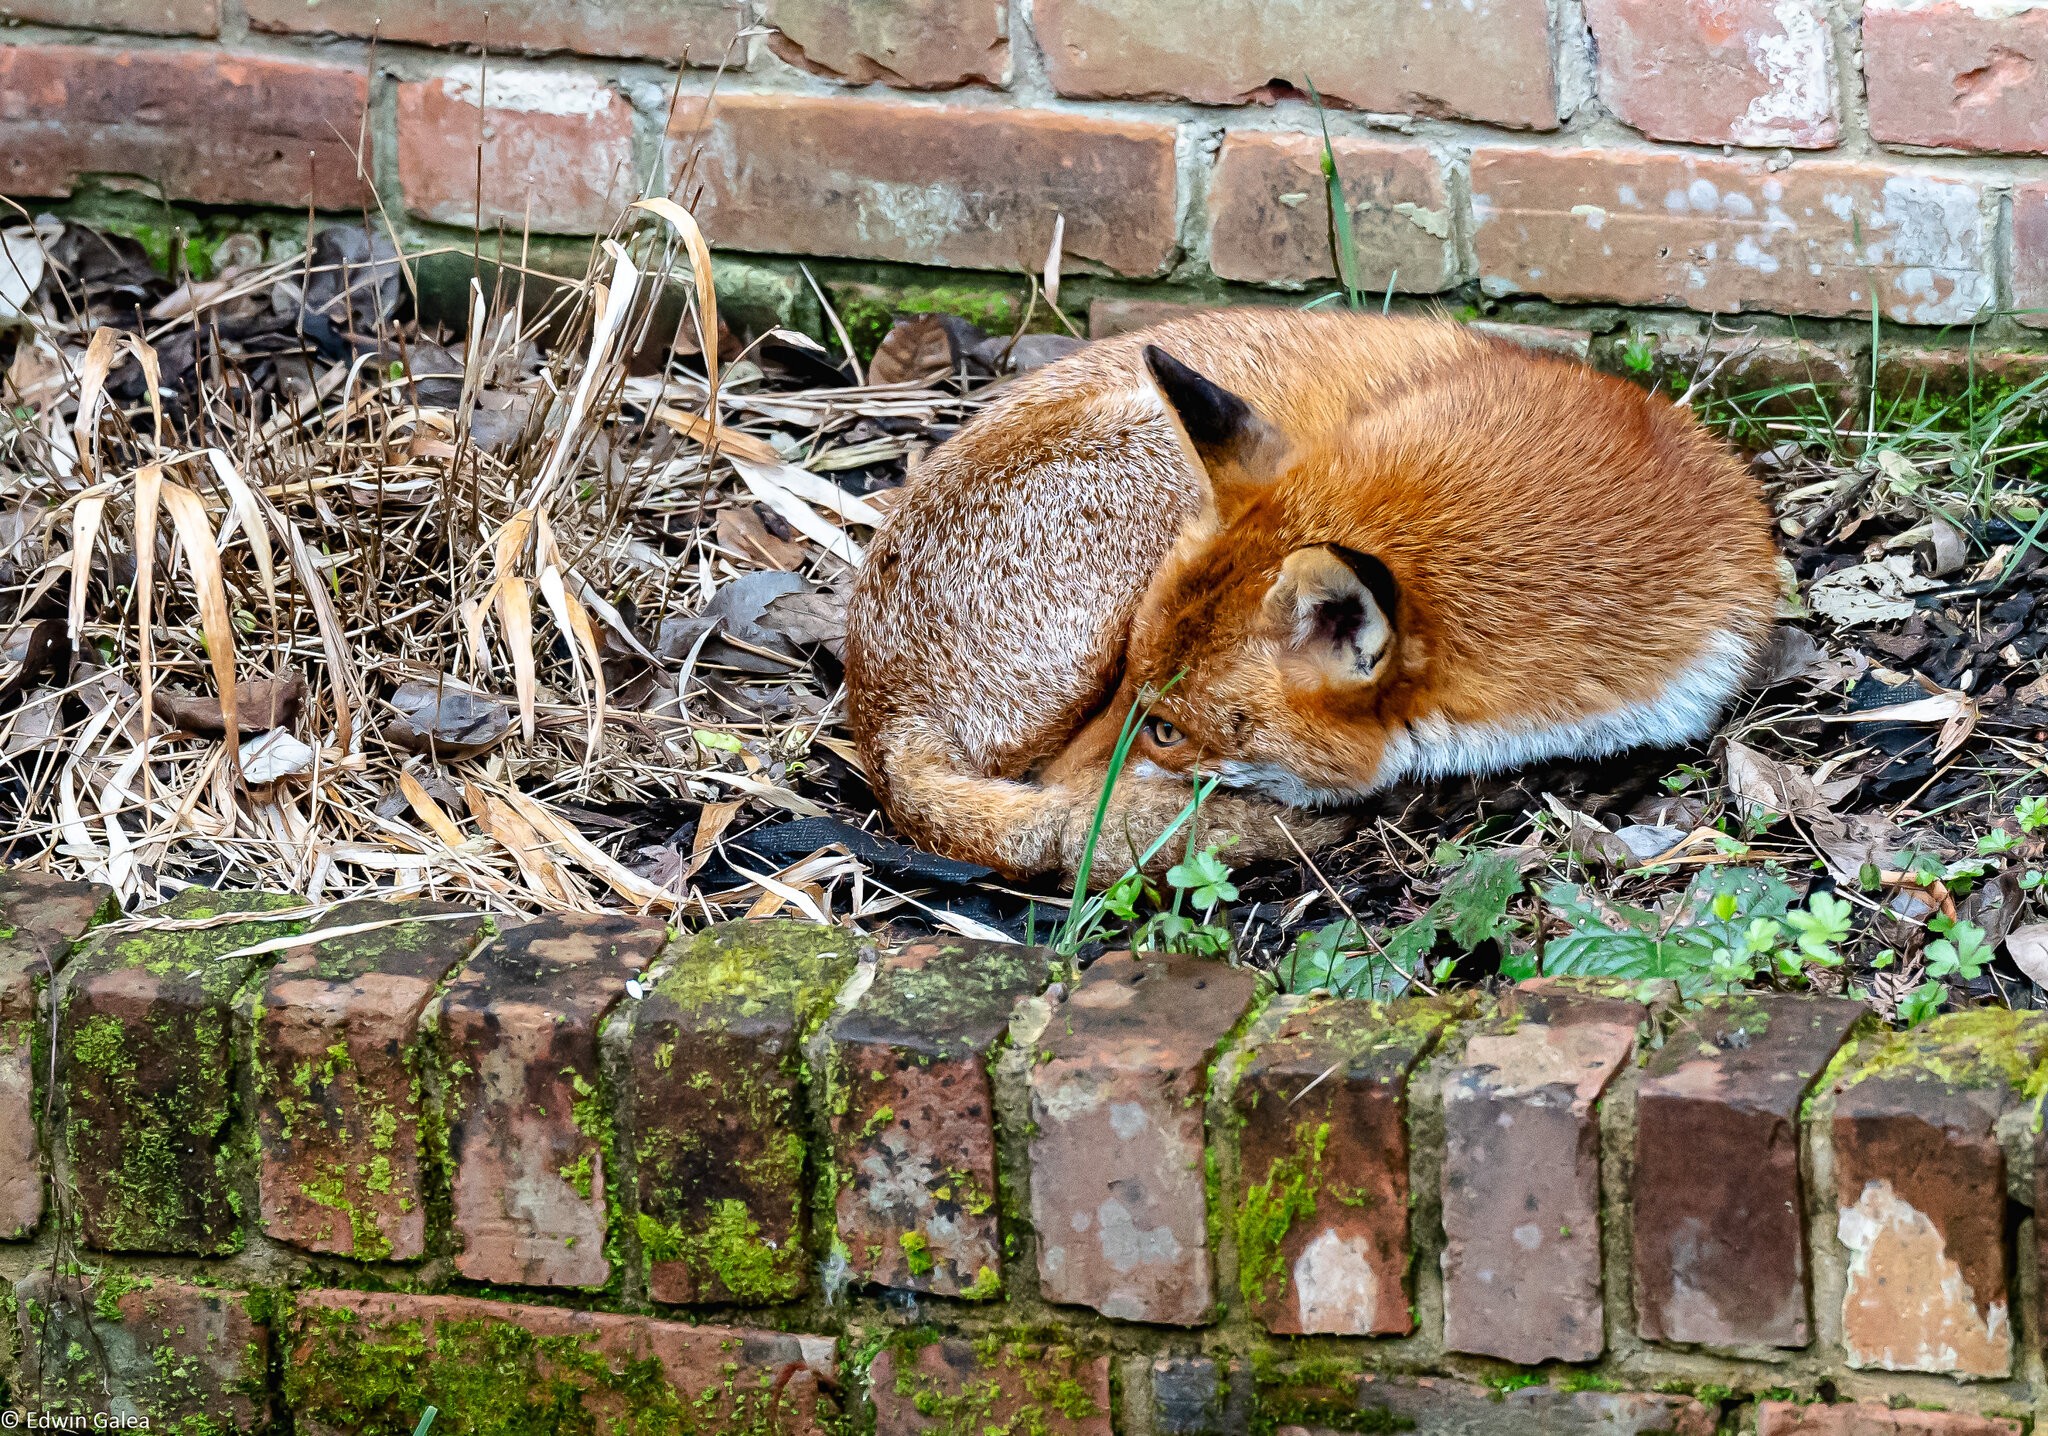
(1949, 545)
(2028, 948)
(741, 530)
(273, 755)
(1793, 654)
(447, 718)
(21, 271)
(263, 704)
(1777, 787)
(915, 351)
(1956, 712)
(1869, 592)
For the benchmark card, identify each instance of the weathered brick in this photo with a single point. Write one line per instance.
(372, 1361)
(1270, 212)
(339, 1060)
(528, 1124)
(931, 184)
(1920, 1192)
(1957, 74)
(205, 125)
(145, 1075)
(181, 1358)
(1739, 364)
(558, 149)
(1484, 60)
(1200, 1396)
(1785, 1418)
(913, 1115)
(911, 44)
(1322, 1222)
(712, 1107)
(1719, 1209)
(2030, 253)
(1440, 1404)
(1915, 374)
(696, 32)
(1117, 1152)
(40, 917)
(147, 17)
(1110, 317)
(953, 1387)
(1521, 1188)
(1543, 338)
(1639, 227)
(1756, 72)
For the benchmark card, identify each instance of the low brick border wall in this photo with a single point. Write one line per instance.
(1796, 157)
(582, 1173)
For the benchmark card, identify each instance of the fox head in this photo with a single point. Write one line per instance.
(1266, 648)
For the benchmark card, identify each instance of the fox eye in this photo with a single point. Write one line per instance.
(1163, 733)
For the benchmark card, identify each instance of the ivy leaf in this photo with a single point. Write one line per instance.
(1474, 904)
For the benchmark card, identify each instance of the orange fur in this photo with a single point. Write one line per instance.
(1575, 565)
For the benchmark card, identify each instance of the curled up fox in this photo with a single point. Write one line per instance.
(1330, 552)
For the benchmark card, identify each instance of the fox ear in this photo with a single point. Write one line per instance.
(1335, 608)
(1233, 447)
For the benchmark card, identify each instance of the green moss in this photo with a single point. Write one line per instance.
(986, 1286)
(1271, 1208)
(728, 1248)
(917, 1252)
(1588, 1381)
(492, 1378)
(1020, 1385)
(1977, 1048)
(102, 1046)
(108, 1289)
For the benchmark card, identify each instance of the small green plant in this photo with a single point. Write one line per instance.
(1471, 910)
(1998, 840)
(1922, 1002)
(1963, 950)
(1638, 355)
(2032, 814)
(1342, 249)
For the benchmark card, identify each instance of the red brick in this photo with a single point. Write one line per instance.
(1641, 227)
(1732, 364)
(1957, 75)
(1784, 1418)
(914, 1115)
(1438, 1404)
(209, 126)
(699, 32)
(40, 917)
(148, 17)
(1756, 72)
(1322, 1110)
(1719, 1208)
(910, 44)
(1270, 212)
(183, 1358)
(710, 1096)
(558, 150)
(339, 1060)
(932, 184)
(2030, 253)
(368, 1361)
(146, 1076)
(1487, 60)
(1117, 1152)
(1915, 374)
(954, 1387)
(1920, 1188)
(527, 1116)
(1521, 1189)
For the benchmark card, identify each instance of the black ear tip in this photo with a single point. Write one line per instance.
(1165, 368)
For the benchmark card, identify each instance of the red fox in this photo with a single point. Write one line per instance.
(1330, 551)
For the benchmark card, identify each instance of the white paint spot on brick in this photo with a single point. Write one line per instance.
(1627, 195)
(1127, 1119)
(920, 217)
(1702, 196)
(1982, 9)
(1798, 62)
(1906, 1306)
(1336, 1289)
(530, 92)
(1594, 216)
(1737, 205)
(1935, 231)
(1841, 206)
(1127, 1246)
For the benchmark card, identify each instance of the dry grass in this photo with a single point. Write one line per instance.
(327, 531)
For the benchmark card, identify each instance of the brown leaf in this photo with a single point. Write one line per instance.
(261, 704)
(741, 530)
(916, 351)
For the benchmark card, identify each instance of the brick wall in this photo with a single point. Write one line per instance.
(583, 1175)
(1799, 157)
